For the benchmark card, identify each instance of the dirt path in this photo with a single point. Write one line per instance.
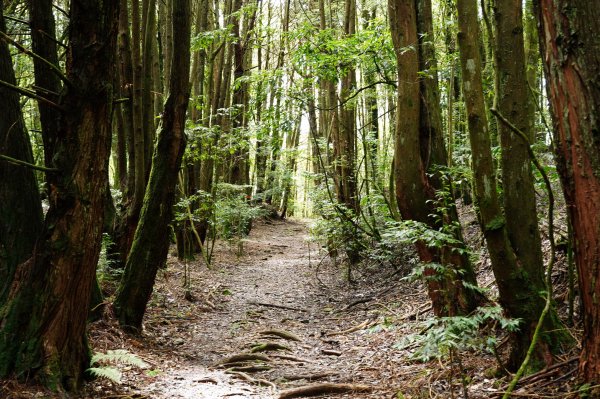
(279, 282)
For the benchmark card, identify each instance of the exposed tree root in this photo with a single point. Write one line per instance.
(292, 358)
(281, 334)
(320, 389)
(244, 357)
(273, 305)
(307, 377)
(246, 377)
(250, 369)
(269, 346)
(363, 325)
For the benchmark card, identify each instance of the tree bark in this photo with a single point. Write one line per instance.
(420, 151)
(150, 246)
(20, 205)
(570, 43)
(519, 294)
(42, 326)
(513, 102)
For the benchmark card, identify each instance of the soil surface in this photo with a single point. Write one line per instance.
(278, 280)
(275, 313)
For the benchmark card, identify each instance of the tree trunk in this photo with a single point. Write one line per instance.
(570, 43)
(43, 323)
(20, 205)
(420, 151)
(43, 43)
(150, 245)
(513, 102)
(519, 293)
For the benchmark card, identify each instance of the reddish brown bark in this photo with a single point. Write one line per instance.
(42, 326)
(570, 43)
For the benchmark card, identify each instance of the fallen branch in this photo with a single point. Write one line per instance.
(331, 352)
(320, 389)
(272, 305)
(282, 334)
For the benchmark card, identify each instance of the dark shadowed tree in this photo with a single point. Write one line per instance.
(20, 206)
(42, 325)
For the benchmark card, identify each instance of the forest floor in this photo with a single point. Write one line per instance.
(281, 299)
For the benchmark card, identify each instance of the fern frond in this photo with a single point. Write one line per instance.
(118, 356)
(110, 373)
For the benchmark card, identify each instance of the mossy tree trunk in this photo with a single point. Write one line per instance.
(42, 325)
(150, 246)
(519, 295)
(570, 43)
(513, 102)
(420, 153)
(20, 206)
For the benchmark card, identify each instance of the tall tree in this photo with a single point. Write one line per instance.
(419, 151)
(570, 43)
(519, 294)
(150, 246)
(513, 102)
(42, 325)
(20, 205)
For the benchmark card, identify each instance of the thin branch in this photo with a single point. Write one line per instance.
(22, 21)
(27, 164)
(31, 94)
(30, 53)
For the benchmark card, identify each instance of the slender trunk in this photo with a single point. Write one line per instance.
(513, 102)
(43, 43)
(149, 249)
(125, 63)
(519, 293)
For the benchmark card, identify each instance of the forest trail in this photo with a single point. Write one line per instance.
(279, 282)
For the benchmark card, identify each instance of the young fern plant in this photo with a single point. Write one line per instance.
(107, 365)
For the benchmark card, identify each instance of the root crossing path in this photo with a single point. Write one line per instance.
(274, 318)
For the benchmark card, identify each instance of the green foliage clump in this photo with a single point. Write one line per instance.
(442, 336)
(234, 212)
(106, 365)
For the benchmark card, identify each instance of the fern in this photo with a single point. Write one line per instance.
(118, 356)
(109, 373)
(104, 364)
